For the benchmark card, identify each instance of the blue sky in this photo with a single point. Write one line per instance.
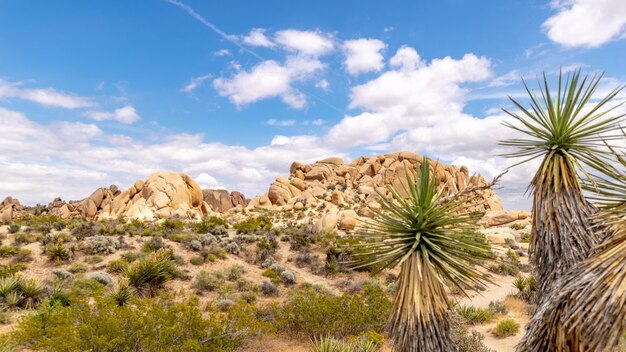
(94, 93)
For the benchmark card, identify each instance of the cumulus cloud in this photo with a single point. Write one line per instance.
(363, 55)
(315, 43)
(39, 161)
(257, 37)
(270, 79)
(195, 83)
(44, 96)
(586, 23)
(126, 114)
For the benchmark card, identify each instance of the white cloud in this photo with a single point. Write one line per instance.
(270, 79)
(318, 122)
(281, 123)
(195, 83)
(586, 23)
(363, 55)
(207, 181)
(406, 58)
(126, 115)
(38, 161)
(44, 96)
(257, 37)
(313, 43)
(322, 84)
(222, 52)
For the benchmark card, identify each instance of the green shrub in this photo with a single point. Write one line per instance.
(94, 259)
(254, 224)
(18, 292)
(474, 315)
(8, 251)
(206, 281)
(14, 228)
(526, 287)
(506, 327)
(463, 339)
(26, 238)
(56, 252)
(77, 268)
(517, 226)
(207, 223)
(148, 274)
(153, 244)
(146, 325)
(196, 261)
(117, 266)
(313, 311)
(525, 237)
(172, 225)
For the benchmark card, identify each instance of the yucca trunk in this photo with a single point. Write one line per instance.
(419, 319)
(562, 229)
(587, 311)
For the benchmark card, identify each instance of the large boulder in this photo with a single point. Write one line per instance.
(99, 201)
(9, 208)
(163, 195)
(221, 200)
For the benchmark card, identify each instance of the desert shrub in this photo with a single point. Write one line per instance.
(525, 237)
(117, 266)
(300, 236)
(101, 277)
(11, 269)
(153, 244)
(269, 289)
(101, 245)
(148, 274)
(63, 274)
(463, 339)
(196, 261)
(233, 248)
(234, 272)
(266, 247)
(14, 228)
(169, 226)
(195, 245)
(77, 268)
(526, 287)
(207, 239)
(218, 231)
(85, 287)
(123, 292)
(56, 252)
(516, 226)
(498, 307)
(474, 315)
(305, 259)
(329, 344)
(207, 224)
(225, 304)
(254, 224)
(8, 251)
(93, 259)
(511, 243)
(504, 267)
(313, 311)
(146, 325)
(506, 327)
(206, 281)
(288, 277)
(24, 255)
(17, 292)
(84, 230)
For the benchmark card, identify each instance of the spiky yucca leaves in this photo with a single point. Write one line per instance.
(432, 240)
(588, 309)
(567, 133)
(148, 274)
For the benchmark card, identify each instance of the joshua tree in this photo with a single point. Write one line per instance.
(432, 240)
(588, 310)
(566, 131)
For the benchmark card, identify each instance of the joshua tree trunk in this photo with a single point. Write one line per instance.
(419, 319)
(562, 231)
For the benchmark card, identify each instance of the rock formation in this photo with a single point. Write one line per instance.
(162, 195)
(360, 181)
(99, 201)
(9, 208)
(220, 200)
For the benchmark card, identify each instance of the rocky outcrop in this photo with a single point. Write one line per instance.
(221, 200)
(9, 208)
(99, 201)
(361, 181)
(163, 195)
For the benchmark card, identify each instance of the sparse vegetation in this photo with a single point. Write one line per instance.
(506, 327)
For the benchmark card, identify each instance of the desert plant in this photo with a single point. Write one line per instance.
(432, 239)
(123, 292)
(149, 274)
(506, 327)
(587, 309)
(57, 252)
(474, 315)
(567, 133)
(329, 344)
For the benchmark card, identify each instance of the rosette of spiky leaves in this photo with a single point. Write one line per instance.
(434, 242)
(588, 308)
(567, 133)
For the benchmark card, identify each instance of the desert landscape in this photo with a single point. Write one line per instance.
(312, 176)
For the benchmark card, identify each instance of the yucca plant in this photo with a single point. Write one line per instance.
(329, 344)
(567, 132)
(588, 310)
(123, 292)
(433, 241)
(32, 292)
(149, 274)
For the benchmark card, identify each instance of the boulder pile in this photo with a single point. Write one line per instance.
(163, 195)
(9, 208)
(99, 201)
(361, 181)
